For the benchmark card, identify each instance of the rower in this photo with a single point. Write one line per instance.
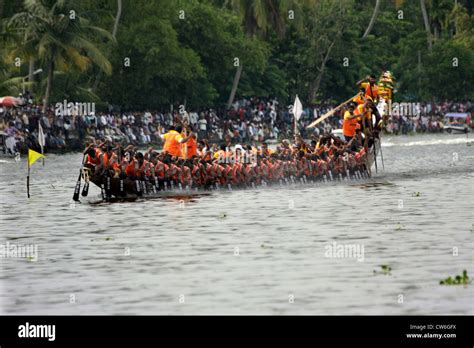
(360, 97)
(349, 124)
(363, 114)
(371, 92)
(191, 142)
(221, 155)
(93, 156)
(370, 87)
(173, 141)
(266, 152)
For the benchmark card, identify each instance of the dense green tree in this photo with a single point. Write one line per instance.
(60, 37)
(163, 53)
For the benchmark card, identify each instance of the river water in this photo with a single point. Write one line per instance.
(264, 251)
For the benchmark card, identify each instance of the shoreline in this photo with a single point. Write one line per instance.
(76, 147)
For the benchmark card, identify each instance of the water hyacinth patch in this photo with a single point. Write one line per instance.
(385, 270)
(457, 280)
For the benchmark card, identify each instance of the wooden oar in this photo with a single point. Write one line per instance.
(371, 130)
(329, 113)
(85, 189)
(75, 197)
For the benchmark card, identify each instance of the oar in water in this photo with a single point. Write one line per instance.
(154, 181)
(77, 189)
(381, 154)
(372, 133)
(85, 189)
(366, 148)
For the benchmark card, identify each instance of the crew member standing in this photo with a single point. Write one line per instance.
(371, 93)
(349, 124)
(173, 141)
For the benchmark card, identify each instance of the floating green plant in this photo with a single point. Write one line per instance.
(385, 269)
(266, 246)
(108, 238)
(457, 280)
(416, 194)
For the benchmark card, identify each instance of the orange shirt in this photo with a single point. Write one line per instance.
(96, 159)
(192, 147)
(370, 91)
(349, 125)
(130, 168)
(358, 99)
(172, 144)
(361, 110)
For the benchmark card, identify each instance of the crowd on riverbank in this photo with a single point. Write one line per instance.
(249, 121)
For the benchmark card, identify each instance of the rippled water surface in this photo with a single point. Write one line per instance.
(247, 252)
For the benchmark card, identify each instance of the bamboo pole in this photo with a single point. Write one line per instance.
(329, 113)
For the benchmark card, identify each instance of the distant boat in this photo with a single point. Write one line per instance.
(457, 122)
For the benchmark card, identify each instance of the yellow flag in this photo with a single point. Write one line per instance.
(33, 156)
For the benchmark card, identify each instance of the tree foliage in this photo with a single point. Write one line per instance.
(184, 52)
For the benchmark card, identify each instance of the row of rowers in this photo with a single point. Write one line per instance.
(329, 156)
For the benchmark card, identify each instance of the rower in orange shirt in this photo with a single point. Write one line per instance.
(191, 144)
(349, 124)
(369, 84)
(364, 115)
(371, 93)
(173, 141)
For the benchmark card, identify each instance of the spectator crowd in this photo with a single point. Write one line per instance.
(252, 120)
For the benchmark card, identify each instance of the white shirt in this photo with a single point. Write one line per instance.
(202, 124)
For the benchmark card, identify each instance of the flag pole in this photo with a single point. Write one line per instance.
(296, 127)
(28, 179)
(33, 156)
(296, 114)
(41, 141)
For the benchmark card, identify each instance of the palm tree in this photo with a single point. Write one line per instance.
(8, 85)
(257, 17)
(426, 21)
(114, 35)
(58, 39)
(372, 20)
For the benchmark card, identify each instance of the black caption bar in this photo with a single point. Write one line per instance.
(140, 330)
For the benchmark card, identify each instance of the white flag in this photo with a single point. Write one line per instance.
(41, 139)
(297, 108)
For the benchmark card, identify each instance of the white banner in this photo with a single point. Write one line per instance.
(297, 108)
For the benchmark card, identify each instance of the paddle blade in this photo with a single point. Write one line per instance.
(77, 189)
(85, 190)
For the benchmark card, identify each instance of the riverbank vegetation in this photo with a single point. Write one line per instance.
(139, 55)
